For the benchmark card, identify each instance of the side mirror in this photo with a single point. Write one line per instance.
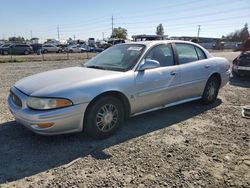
(148, 64)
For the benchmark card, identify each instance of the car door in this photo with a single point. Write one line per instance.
(50, 48)
(159, 86)
(53, 48)
(46, 47)
(194, 69)
(17, 49)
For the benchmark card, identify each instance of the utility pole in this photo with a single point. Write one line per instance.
(74, 37)
(198, 34)
(31, 34)
(102, 35)
(112, 25)
(58, 32)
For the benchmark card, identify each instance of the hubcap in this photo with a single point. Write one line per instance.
(107, 117)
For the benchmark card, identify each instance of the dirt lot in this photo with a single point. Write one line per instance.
(189, 145)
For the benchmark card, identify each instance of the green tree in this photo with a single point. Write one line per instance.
(17, 39)
(160, 30)
(238, 35)
(120, 33)
(195, 40)
(244, 34)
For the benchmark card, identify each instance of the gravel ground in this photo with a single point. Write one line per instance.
(189, 145)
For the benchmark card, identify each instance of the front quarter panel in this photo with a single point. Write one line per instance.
(84, 92)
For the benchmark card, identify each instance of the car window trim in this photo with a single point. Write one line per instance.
(195, 47)
(189, 45)
(143, 57)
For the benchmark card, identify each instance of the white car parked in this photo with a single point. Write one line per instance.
(75, 49)
(51, 48)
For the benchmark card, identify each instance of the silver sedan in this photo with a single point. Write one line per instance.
(124, 80)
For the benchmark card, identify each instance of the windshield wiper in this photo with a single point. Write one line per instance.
(96, 67)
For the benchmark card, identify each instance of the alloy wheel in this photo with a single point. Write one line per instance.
(107, 117)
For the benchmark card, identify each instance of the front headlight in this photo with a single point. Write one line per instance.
(47, 103)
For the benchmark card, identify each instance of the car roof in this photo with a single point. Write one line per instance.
(154, 42)
(149, 44)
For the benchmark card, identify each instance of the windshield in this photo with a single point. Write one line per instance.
(120, 57)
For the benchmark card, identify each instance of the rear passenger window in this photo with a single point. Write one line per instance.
(186, 53)
(200, 53)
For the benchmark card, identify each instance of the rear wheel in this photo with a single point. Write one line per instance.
(211, 90)
(104, 117)
(26, 52)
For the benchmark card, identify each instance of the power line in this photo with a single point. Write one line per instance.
(183, 9)
(181, 18)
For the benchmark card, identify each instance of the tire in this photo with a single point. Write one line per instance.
(26, 52)
(104, 117)
(211, 90)
(70, 51)
(45, 51)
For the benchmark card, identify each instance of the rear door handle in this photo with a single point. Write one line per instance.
(207, 66)
(173, 73)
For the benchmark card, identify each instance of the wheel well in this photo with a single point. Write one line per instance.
(119, 96)
(217, 76)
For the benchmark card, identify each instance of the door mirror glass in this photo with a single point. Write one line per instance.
(148, 64)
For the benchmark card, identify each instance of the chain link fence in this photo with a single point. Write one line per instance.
(46, 57)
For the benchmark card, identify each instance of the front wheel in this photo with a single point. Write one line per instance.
(211, 90)
(104, 117)
(26, 52)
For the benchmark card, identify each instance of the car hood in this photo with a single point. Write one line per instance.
(60, 79)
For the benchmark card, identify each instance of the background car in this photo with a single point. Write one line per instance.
(4, 49)
(51, 48)
(16, 49)
(95, 49)
(241, 65)
(75, 49)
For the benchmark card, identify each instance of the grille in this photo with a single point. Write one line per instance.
(17, 101)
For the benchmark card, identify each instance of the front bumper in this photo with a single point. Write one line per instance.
(66, 120)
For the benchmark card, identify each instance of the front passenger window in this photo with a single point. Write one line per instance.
(163, 54)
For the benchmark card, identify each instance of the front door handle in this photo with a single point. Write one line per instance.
(173, 73)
